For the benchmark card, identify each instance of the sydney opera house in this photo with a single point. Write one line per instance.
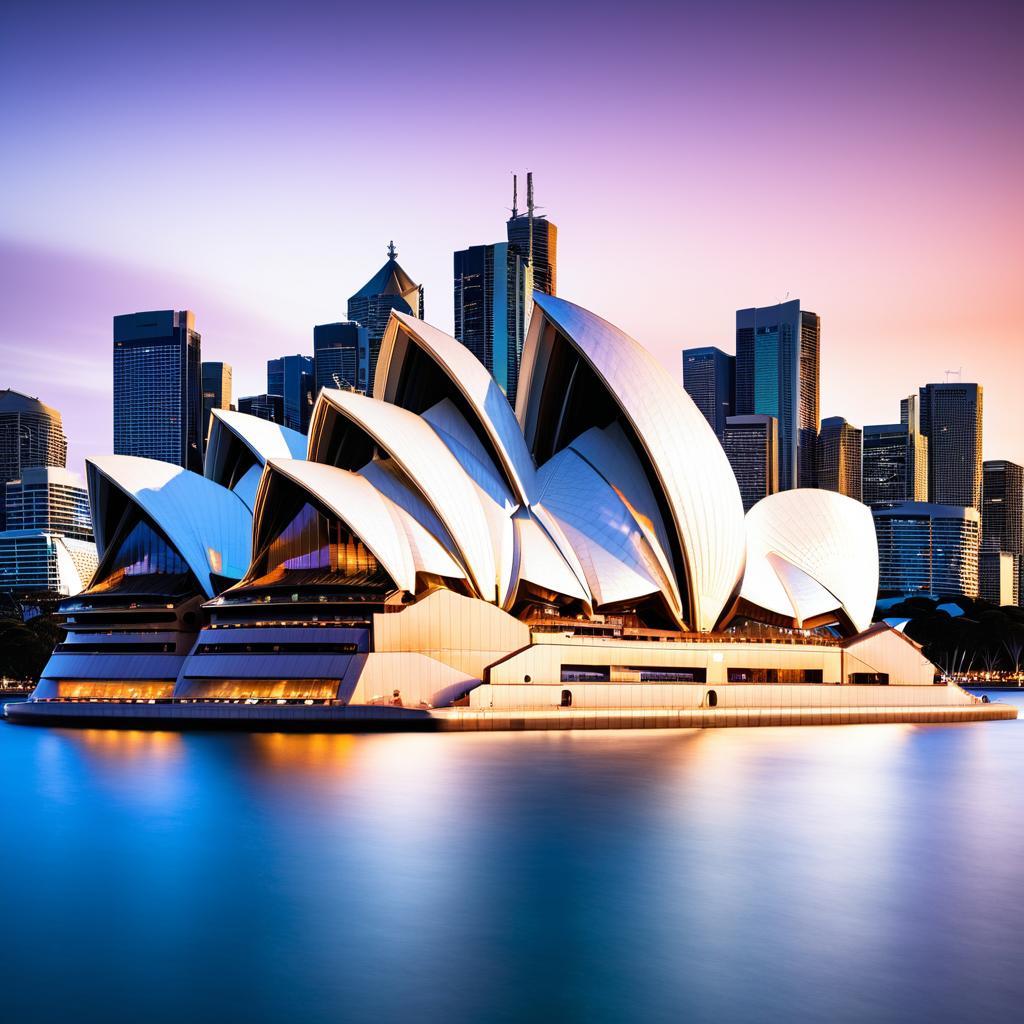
(430, 548)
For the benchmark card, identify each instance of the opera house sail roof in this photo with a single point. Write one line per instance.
(430, 538)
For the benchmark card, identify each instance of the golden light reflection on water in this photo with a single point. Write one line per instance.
(318, 753)
(130, 744)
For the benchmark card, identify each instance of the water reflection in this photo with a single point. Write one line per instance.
(862, 872)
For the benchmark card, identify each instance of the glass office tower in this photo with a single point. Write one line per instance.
(751, 444)
(839, 457)
(266, 407)
(158, 406)
(48, 545)
(31, 434)
(778, 374)
(951, 419)
(709, 377)
(1002, 531)
(216, 392)
(291, 377)
(491, 291)
(338, 350)
(928, 549)
(894, 465)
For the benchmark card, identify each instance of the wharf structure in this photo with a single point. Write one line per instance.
(431, 558)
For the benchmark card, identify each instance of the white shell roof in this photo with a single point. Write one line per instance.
(399, 543)
(539, 562)
(208, 525)
(477, 386)
(264, 439)
(694, 474)
(432, 469)
(811, 552)
(617, 559)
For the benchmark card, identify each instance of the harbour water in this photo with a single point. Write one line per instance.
(855, 873)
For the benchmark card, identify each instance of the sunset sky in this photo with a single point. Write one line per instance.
(252, 163)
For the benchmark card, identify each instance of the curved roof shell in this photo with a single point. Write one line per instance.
(812, 553)
(682, 458)
(401, 545)
(426, 463)
(208, 525)
(420, 365)
(239, 446)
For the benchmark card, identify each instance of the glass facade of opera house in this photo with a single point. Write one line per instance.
(432, 546)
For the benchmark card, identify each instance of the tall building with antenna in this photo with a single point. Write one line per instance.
(534, 238)
(494, 285)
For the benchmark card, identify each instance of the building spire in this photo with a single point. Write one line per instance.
(515, 196)
(529, 208)
(392, 251)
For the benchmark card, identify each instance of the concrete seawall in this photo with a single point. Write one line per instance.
(328, 718)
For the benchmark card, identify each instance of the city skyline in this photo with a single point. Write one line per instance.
(880, 226)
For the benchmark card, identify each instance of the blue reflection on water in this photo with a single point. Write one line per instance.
(843, 874)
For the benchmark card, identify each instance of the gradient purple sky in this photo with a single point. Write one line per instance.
(251, 163)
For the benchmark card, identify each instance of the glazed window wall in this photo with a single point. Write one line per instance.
(775, 675)
(100, 690)
(311, 542)
(143, 552)
(261, 689)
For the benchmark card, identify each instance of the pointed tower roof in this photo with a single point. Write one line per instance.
(391, 279)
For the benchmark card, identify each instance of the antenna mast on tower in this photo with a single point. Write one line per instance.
(515, 196)
(529, 210)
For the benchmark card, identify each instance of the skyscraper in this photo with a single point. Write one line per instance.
(925, 548)
(266, 407)
(390, 288)
(291, 377)
(895, 465)
(709, 377)
(999, 577)
(531, 227)
(1002, 531)
(31, 434)
(158, 404)
(777, 374)
(216, 392)
(48, 544)
(751, 444)
(338, 351)
(951, 419)
(839, 457)
(491, 283)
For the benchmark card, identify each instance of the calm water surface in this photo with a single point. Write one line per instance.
(862, 873)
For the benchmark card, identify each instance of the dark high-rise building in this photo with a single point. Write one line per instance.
(777, 374)
(390, 288)
(31, 434)
(839, 457)
(951, 419)
(216, 392)
(158, 402)
(751, 444)
(1002, 531)
(291, 377)
(266, 407)
(524, 229)
(895, 465)
(928, 549)
(338, 350)
(999, 577)
(709, 377)
(1002, 506)
(491, 285)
